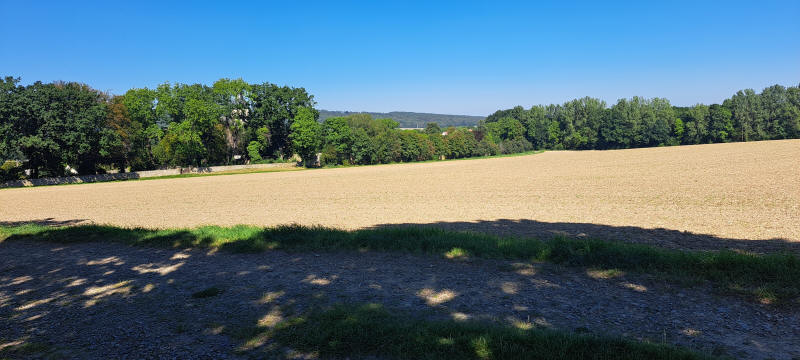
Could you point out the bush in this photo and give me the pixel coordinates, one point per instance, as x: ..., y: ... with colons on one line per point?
x: 329, y: 156
x: 254, y: 151
x: 515, y: 146
x: 486, y: 148
x: 11, y: 170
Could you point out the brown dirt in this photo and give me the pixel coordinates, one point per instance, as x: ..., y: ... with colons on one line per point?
x: 704, y: 196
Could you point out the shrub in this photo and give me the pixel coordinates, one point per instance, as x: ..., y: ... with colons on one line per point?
x: 11, y: 170
x: 515, y: 146
x: 486, y: 148
x: 254, y: 151
x: 329, y: 156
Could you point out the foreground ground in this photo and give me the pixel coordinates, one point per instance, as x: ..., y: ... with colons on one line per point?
x: 100, y: 300
x: 705, y: 196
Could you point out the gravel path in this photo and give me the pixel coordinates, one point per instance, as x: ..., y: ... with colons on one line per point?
x: 115, y: 301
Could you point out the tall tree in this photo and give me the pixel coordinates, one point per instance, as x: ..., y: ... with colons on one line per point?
x: 306, y: 135
x: 234, y: 98
x: 276, y: 107
x: 720, y: 123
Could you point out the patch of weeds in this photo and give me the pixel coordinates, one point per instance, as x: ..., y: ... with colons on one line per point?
x: 456, y: 253
x: 605, y: 273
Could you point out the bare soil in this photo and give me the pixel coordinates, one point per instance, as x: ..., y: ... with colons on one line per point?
x: 740, y: 195
x: 97, y: 300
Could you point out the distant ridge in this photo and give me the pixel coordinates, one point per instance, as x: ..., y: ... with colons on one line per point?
x: 411, y: 119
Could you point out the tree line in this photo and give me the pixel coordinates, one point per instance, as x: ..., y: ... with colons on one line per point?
x: 55, y: 129
x: 588, y: 123
x: 411, y: 119
x: 59, y: 128
x: 360, y: 139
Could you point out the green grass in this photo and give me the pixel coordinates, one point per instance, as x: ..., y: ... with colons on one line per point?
x: 371, y: 330
x: 772, y: 278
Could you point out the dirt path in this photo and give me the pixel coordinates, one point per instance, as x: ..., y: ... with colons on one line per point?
x: 109, y: 301
x: 695, y: 197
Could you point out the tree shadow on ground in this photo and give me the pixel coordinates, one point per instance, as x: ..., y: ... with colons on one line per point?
x: 660, y: 237
x: 112, y: 299
x: 106, y: 300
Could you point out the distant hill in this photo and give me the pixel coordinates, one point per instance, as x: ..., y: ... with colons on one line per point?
x: 411, y: 119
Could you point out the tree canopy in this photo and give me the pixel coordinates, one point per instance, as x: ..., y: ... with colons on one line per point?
x: 55, y: 129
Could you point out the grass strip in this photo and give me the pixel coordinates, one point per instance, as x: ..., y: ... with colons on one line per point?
x: 771, y: 278
x: 370, y: 330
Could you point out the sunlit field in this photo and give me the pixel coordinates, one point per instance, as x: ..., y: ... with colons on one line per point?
x: 738, y: 195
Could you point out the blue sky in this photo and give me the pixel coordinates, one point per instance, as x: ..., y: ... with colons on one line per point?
x: 457, y: 57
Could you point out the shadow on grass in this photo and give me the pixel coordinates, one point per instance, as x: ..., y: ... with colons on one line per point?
x: 769, y: 278
x: 663, y: 238
x: 73, y: 297
x: 343, y: 331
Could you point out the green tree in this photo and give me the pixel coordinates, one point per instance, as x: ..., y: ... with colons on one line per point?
x: 720, y: 123
x: 276, y: 107
x: 433, y: 128
x: 678, y: 129
x: 306, y: 136
x: 338, y: 139
x: 182, y: 144
x: 234, y: 98
x: 505, y: 128
x: 363, y: 149
x: 13, y: 106
x: 697, y: 125
x: 460, y: 143
x: 747, y: 115
x: 64, y: 124
x: 254, y: 149
x: 145, y: 127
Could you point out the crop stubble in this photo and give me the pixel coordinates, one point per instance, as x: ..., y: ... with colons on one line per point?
x: 738, y: 191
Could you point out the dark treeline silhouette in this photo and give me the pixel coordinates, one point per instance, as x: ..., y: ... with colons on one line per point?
x: 62, y: 128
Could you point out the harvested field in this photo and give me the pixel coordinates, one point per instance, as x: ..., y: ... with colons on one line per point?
x: 740, y: 195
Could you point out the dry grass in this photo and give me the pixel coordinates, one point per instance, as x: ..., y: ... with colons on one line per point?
x: 747, y: 191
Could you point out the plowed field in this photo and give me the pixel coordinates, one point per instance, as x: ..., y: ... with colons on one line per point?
x: 703, y: 196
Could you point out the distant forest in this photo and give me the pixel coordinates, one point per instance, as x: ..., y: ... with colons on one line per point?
x: 411, y: 119
x: 63, y: 128
x: 589, y: 123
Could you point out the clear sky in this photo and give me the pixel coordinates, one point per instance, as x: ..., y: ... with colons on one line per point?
x: 459, y: 57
